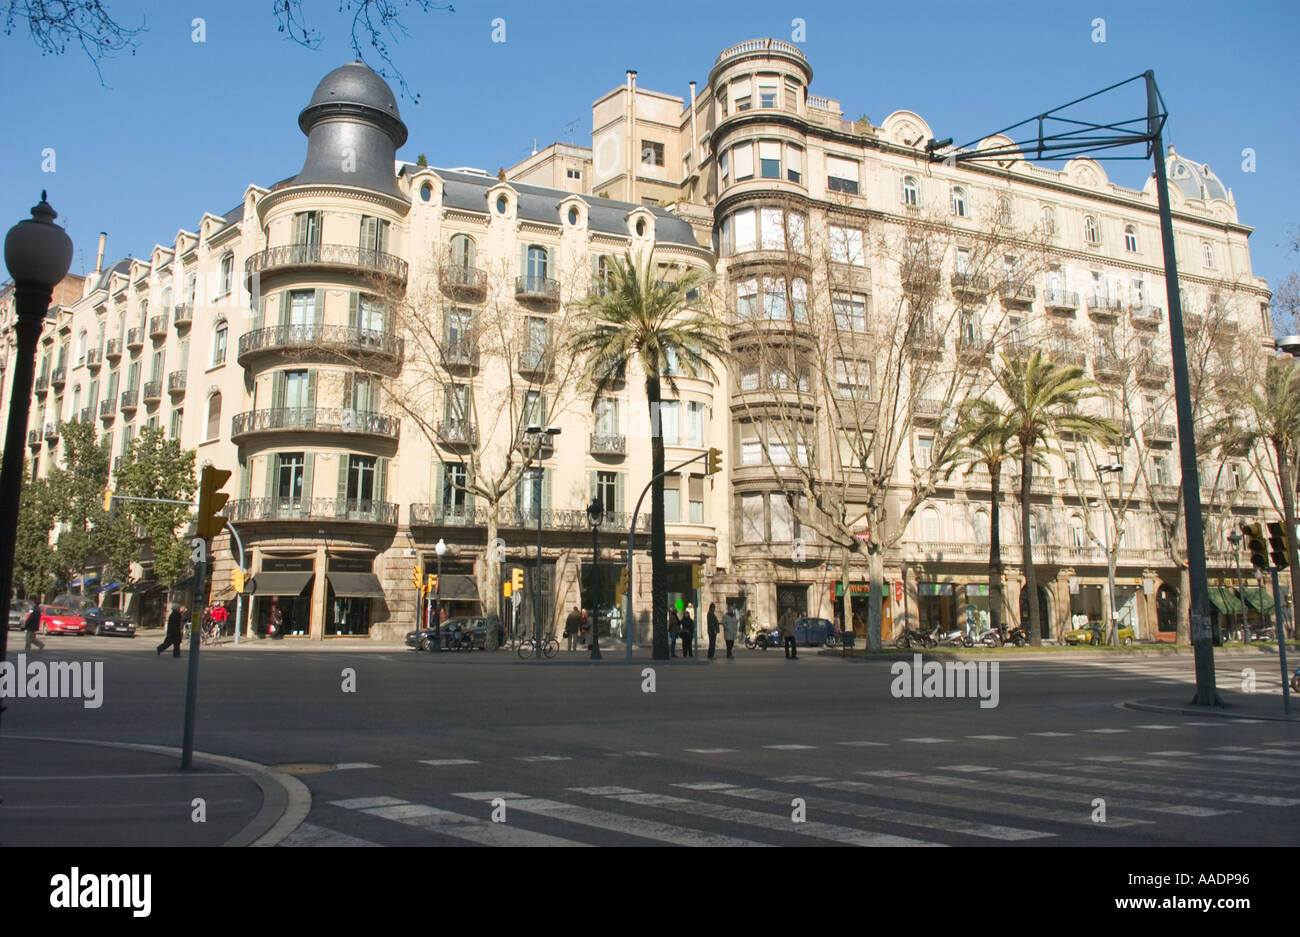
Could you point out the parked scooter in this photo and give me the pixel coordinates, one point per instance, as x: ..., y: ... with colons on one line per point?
x: 987, y: 636
x: 956, y: 638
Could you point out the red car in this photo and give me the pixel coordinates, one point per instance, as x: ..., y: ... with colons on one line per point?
x: 58, y: 620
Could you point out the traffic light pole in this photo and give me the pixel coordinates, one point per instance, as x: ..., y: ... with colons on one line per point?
x: 628, y: 621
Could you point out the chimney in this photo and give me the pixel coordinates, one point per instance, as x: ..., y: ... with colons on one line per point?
x: 695, y: 137
x: 633, y: 157
x: 99, y: 258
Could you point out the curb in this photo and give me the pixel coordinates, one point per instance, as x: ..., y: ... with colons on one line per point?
x: 285, y: 800
x: 1019, y: 654
x: 1172, y: 710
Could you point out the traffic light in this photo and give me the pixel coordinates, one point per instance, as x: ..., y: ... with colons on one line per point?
x: 697, y: 576
x: 517, y: 580
x: 211, y: 500
x: 108, y: 499
x: 507, y: 588
x: 1278, y: 544
x: 713, y: 464
x: 237, y: 579
x: 417, y: 577
x: 1255, y: 543
x: 431, y: 585
x: 620, y: 590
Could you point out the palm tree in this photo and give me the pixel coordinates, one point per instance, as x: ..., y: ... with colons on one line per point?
x: 1043, y: 401
x: 986, y: 435
x: 1273, y: 417
x: 636, y: 314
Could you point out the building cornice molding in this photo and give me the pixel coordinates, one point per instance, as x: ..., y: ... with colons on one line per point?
x: 271, y: 200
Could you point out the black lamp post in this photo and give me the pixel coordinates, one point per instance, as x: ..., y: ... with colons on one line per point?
x: 595, y: 514
x: 536, y: 431
x: 438, y: 550
x: 1235, y: 539
x: 38, y: 254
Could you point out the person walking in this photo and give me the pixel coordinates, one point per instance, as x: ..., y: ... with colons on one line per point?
x: 674, y: 631
x: 573, y: 625
x: 713, y: 628
x: 786, y: 628
x: 688, y: 632
x: 31, y: 624
x: 174, y: 624
x: 730, y: 627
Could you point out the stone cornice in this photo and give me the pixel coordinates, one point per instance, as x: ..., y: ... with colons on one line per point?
x: 399, y: 206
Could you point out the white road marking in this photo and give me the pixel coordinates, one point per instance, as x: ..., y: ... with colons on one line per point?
x: 789, y: 748
x: 354, y: 765
x: 543, y: 758
x: 927, y: 741
x: 442, y: 762
x: 861, y: 744
x: 479, y: 830
x: 360, y: 803
x: 1052, y: 735
x: 710, y: 751
x: 991, y: 738
x: 1126, y: 784
x: 308, y: 834
x: 1106, y: 731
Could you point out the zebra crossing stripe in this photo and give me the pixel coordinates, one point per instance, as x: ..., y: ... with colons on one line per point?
x: 1220, y: 774
x: 767, y: 821
x: 1052, y: 735
x: 543, y: 758
x: 308, y: 834
x: 616, y: 823
x: 354, y: 765
x: 441, y: 762
x: 861, y: 744
x: 888, y: 815
x: 991, y: 738
x: 360, y: 803
x: 1140, y: 787
x: 471, y: 829
x: 1084, y: 815
x: 789, y: 748
x: 709, y: 751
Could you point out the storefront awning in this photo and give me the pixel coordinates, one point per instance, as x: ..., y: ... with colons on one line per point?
x: 356, y: 585
x: 1258, y: 599
x: 1225, y: 600
x: 458, y: 587
x: 277, y: 583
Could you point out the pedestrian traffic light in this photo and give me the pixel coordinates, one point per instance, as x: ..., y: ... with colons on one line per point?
x: 713, y: 464
x: 1278, y: 545
x: 211, y: 500
x: 697, y: 576
x: 237, y: 579
x: 1255, y: 543
x: 431, y: 584
x: 417, y: 577
x: 517, y: 579
x: 108, y: 499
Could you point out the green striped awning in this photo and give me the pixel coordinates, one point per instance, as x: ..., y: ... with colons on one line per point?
x: 1259, y: 599
x: 1225, y: 600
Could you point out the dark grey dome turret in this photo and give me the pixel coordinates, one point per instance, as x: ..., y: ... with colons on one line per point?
x: 353, y: 131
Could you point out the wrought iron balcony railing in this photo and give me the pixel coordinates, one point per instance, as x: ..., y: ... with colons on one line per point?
x: 460, y: 355
x: 135, y: 337
x: 315, y: 510
x: 302, y: 419
x: 1020, y: 294
x: 536, y: 361
x: 94, y: 358
x: 113, y: 349
x: 58, y: 377
x: 176, y: 382
x: 86, y: 414
x: 128, y: 399
x: 152, y: 391
x: 537, y: 288
x: 1061, y: 300
x: 971, y: 284
x: 457, y: 433
x: 608, y: 444
x: 182, y: 315
x: 338, y: 338
x: 456, y: 280
x: 42, y: 385
x: 1148, y: 317
x: 158, y: 327
x: 107, y: 410
x: 34, y: 438
x: 326, y: 255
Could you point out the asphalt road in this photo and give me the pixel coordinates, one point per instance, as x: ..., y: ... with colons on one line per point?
x: 401, y: 747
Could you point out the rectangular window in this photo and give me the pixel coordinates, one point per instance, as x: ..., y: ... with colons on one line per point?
x: 846, y: 246
x: 306, y: 230
x: 361, y: 478
x: 741, y: 94
x: 774, y: 308
x: 672, y: 499
x: 456, y: 403
x: 796, y: 224
x: 289, y: 476
x: 842, y: 175
x: 607, y: 416
x: 772, y: 229
x: 782, y: 518
x: 724, y: 168
x: 746, y: 298
x: 751, y: 452
x: 695, y: 424
x: 374, y: 234
x: 852, y: 379
x: 924, y: 451
x: 696, y: 499
x: 670, y: 421
x: 453, y: 485
x: 652, y: 153
x: 794, y: 163
x: 850, y: 311
x: 742, y: 158
x: 746, y: 230
x: 769, y: 159
x: 177, y: 417
x: 767, y: 88
x: 963, y: 260
x: 607, y: 491
x: 752, y: 528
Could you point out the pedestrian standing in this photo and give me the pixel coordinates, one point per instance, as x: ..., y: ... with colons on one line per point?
x: 572, y: 625
x: 688, y: 633
x: 30, y: 625
x: 713, y: 624
x: 174, y: 624
x: 786, y: 628
x: 674, y: 631
x: 730, y: 626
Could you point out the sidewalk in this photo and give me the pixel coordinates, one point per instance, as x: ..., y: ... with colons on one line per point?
x: 1236, y: 705
x: 64, y: 792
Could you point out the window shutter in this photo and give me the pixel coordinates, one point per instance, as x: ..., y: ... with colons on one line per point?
x: 354, y: 310
x: 285, y: 305
x: 261, y: 312
x: 245, y: 481
x: 270, y: 476
x: 591, y: 483
x: 546, y: 488
x: 619, y: 506
x: 299, y: 233
x: 347, y: 390
x: 440, y: 493
x: 318, y: 311
x: 311, y: 389
x: 381, y: 479
x: 277, y: 390
x: 343, y: 483
x: 309, y: 465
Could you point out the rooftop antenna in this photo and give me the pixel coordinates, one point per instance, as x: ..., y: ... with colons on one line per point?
x: 534, y: 146
x: 571, y: 126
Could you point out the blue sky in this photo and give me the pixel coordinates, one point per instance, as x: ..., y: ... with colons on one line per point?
x: 182, y: 127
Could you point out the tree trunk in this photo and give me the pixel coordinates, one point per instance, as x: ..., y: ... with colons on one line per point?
x: 1288, y: 520
x: 876, y: 561
x: 493, y: 604
x: 1184, y: 635
x: 995, y: 547
x: 847, y: 603
x: 1027, y: 549
x: 658, y: 537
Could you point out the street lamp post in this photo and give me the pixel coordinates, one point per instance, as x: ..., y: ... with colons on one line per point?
x: 1235, y: 539
x: 536, y: 431
x: 38, y: 254
x: 440, y: 548
x: 595, y: 514
x: 1113, y: 468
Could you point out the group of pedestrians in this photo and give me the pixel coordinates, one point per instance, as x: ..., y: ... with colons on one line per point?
x: 683, y: 628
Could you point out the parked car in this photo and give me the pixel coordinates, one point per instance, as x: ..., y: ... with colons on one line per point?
x: 457, y: 634
x: 18, y: 610
x: 55, y: 619
x: 811, y: 632
x: 1096, y: 632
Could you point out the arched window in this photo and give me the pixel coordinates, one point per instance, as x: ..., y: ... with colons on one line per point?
x: 911, y: 191
x: 191, y: 287
x: 1209, y: 254
x: 214, y: 417
x: 930, y: 525
x: 1077, y: 536
x: 959, y: 201
x: 75, y: 413
x: 81, y: 347
x: 1049, y: 220
x: 1130, y: 239
x: 227, y: 273
x: 219, y: 343
x: 982, y: 528
x: 166, y: 300
x: 1091, y: 233
x: 463, y: 251
x: 537, y: 262
x: 1004, y: 210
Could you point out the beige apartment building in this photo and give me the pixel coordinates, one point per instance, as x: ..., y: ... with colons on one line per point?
x: 365, y: 342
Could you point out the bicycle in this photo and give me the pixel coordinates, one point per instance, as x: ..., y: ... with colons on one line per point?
x: 528, y: 647
x: 210, y: 633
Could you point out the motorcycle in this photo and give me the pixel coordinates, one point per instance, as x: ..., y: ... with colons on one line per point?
x: 988, y: 637
x: 1016, y: 636
x: 1295, y: 681
x: 950, y: 638
x: 912, y: 638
